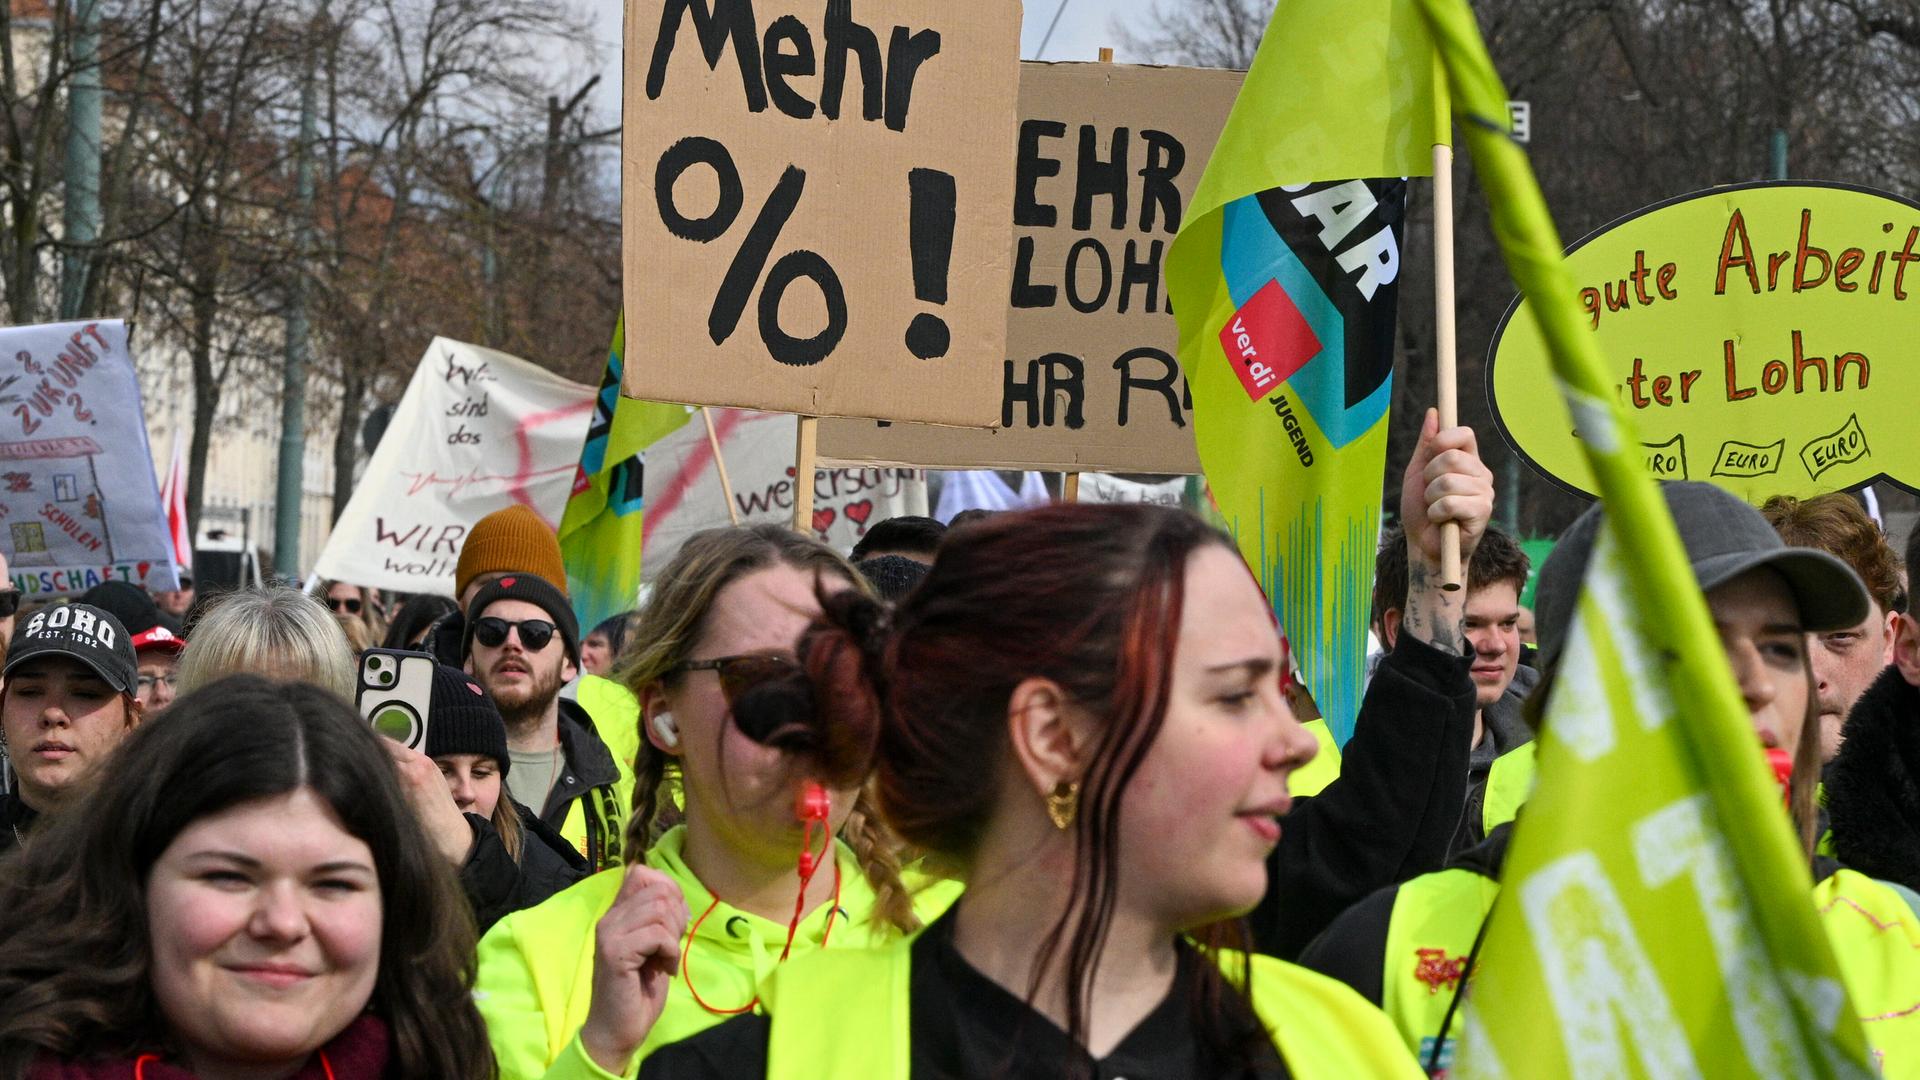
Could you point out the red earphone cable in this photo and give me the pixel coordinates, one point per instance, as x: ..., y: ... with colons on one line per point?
x: 813, y: 807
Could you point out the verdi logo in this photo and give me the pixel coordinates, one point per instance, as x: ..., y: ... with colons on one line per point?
x: 1268, y: 340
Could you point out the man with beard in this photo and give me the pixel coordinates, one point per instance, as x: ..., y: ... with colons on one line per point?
x: 523, y: 644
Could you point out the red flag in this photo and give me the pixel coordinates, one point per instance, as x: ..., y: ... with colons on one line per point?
x: 173, y: 496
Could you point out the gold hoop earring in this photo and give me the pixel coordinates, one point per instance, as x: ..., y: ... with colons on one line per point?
x: 1063, y: 804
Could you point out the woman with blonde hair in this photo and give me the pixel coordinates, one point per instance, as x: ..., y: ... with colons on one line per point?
x: 277, y: 632
x: 711, y: 902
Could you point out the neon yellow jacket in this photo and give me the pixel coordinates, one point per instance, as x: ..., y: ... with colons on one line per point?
x: 1509, y: 781
x: 845, y: 1014
x: 536, y: 966
x: 1874, y: 933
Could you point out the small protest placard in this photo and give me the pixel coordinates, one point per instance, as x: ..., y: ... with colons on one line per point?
x: 78, y: 499
x: 1108, y: 155
x: 476, y: 431
x: 684, y: 494
x: 1758, y: 335
x: 814, y: 204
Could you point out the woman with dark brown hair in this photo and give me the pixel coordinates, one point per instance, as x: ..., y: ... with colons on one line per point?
x: 1080, y: 709
x: 243, y: 893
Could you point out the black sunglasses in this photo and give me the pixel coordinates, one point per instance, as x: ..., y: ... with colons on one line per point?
x: 9, y: 602
x: 351, y: 605
x: 770, y: 696
x: 491, y: 631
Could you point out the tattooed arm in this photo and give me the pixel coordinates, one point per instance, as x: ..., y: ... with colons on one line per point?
x: 1445, y: 482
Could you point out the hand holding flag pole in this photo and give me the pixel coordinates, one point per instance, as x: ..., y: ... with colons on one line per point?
x: 1445, y: 340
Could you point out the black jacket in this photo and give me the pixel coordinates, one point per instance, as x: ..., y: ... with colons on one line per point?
x: 1873, y: 786
x: 590, y: 774
x: 444, y: 639
x: 1395, y: 808
x: 497, y: 886
x: 16, y: 820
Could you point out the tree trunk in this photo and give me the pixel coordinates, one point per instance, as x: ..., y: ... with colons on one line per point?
x: 206, y: 388
x: 346, y: 438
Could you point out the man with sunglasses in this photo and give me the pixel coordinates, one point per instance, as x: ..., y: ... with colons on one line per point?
x: 522, y: 643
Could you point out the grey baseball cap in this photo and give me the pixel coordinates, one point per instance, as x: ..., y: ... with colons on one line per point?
x: 1724, y: 537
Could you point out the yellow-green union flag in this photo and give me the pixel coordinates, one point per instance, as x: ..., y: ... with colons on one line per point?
x: 1654, y: 918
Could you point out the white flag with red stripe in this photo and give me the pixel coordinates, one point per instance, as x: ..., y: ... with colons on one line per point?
x: 173, y: 499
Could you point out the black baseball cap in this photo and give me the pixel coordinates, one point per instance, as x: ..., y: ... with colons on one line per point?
x: 1725, y: 537
x: 79, y: 632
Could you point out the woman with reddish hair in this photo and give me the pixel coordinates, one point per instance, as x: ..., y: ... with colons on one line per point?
x: 1081, y: 711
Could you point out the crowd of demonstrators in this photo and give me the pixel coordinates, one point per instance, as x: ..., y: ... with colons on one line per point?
x: 247, y: 894
x: 578, y: 984
x: 1036, y: 795
x: 1766, y: 598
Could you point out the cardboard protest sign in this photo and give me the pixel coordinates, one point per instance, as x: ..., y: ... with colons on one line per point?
x: 1758, y: 334
x: 77, y: 490
x: 476, y: 431
x: 814, y: 198
x: 1108, y: 157
x: 684, y: 495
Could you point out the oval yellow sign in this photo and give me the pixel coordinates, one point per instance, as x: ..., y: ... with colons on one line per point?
x: 1762, y: 337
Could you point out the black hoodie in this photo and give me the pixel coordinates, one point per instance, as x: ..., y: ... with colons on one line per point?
x: 1873, y: 786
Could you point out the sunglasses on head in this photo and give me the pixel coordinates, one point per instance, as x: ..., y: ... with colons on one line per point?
x: 350, y: 605
x: 491, y: 631
x: 769, y: 695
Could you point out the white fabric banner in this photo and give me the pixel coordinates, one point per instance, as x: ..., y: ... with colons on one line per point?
x: 684, y: 495
x: 1102, y: 488
x: 77, y: 488
x: 476, y: 431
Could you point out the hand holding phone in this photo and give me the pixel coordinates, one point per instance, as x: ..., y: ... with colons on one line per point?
x: 395, y: 692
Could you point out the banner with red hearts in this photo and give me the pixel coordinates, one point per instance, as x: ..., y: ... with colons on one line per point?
x: 684, y: 494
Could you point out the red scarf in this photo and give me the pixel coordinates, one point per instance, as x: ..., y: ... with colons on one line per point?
x: 360, y: 1052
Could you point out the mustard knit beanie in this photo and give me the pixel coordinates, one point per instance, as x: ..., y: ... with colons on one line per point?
x: 515, y: 540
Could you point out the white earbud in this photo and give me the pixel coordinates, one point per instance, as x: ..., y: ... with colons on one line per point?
x: 667, y: 731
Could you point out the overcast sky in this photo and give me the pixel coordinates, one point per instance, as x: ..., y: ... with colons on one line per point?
x: 1085, y: 25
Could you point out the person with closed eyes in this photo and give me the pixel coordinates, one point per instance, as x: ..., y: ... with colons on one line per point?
x: 67, y: 702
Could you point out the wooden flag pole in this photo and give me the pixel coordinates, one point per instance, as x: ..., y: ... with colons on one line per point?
x: 803, y: 457
x: 1444, y: 338
x: 720, y: 462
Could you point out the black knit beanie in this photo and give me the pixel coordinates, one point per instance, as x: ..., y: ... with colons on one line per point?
x: 461, y: 719
x: 535, y: 590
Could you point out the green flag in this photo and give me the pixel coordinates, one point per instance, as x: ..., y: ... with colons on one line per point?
x: 601, y: 529
x: 1654, y: 917
x: 1284, y: 281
